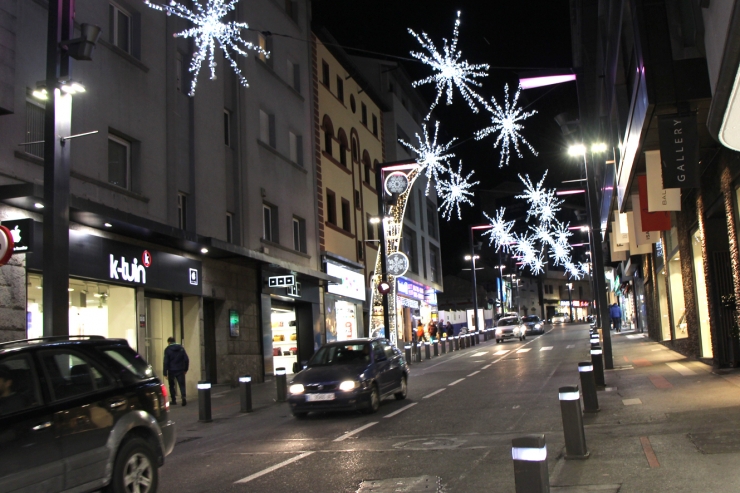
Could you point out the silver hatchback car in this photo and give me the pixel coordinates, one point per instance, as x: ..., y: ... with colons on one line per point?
x: 510, y: 328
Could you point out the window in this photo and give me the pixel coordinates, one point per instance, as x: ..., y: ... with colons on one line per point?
x: 360, y: 250
x: 182, y: 210
x: 375, y: 125
x: 328, y: 134
x: 267, y: 128
x: 119, y: 162
x: 270, y: 223
x: 408, y: 246
x: 367, y: 168
x: 432, y: 219
x: 294, y: 75
x: 342, y: 147
x: 69, y: 375
x: 24, y: 387
x: 340, y: 88
x: 423, y: 257
x: 355, y: 150
x: 331, y: 207
x: 291, y: 9
x: 364, y: 114
x: 227, y: 128
x: 358, y: 199
x: 434, y: 264
x: 119, y: 27
x: 34, y: 129
x: 325, y: 74
x: 299, y: 234
x: 266, y: 44
x: 370, y: 229
x: 296, y: 148
x: 346, y: 216
x: 229, y: 227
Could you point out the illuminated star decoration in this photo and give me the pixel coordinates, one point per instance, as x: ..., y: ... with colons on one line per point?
x: 500, y: 232
x: 450, y: 71
x: 209, y: 28
x: 431, y: 157
x: 506, y: 122
x: 454, y: 191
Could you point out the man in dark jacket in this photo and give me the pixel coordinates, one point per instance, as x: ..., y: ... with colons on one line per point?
x: 176, y: 364
x: 616, y: 315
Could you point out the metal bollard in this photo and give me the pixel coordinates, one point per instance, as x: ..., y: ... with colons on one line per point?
x: 474, y: 339
x: 597, y: 361
x: 436, y: 347
x: 281, y: 382
x: 575, y: 437
x: 204, y: 402
x: 245, y: 393
x: 457, y: 343
x: 467, y: 341
x: 418, y: 352
x: 428, y: 350
x: 443, y: 345
x: 530, y: 464
x: 407, y: 350
x: 451, y: 343
x: 588, y: 384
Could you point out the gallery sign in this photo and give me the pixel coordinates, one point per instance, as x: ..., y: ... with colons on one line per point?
x: 679, y: 150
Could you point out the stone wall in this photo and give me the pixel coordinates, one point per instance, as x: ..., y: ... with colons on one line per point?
x: 13, y: 299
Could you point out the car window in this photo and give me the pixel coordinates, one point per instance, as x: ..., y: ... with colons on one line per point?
x: 19, y: 387
x: 531, y: 319
x: 507, y: 321
x: 388, y: 349
x: 341, y: 354
x: 130, y: 360
x: 70, y: 375
x: 378, y: 350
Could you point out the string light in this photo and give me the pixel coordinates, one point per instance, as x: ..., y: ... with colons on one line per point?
x: 454, y: 191
x: 432, y: 157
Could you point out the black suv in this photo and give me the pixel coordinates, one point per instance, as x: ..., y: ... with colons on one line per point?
x: 80, y: 414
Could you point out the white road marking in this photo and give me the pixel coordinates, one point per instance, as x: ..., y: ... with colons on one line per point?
x: 570, y: 346
x: 400, y: 410
x: 474, y: 373
x: 524, y: 350
x: 499, y: 353
x: 274, y: 468
x: 356, y: 431
x: 631, y: 402
x: 546, y: 348
x: 681, y: 369
x: 486, y: 367
x: 478, y: 354
x: 433, y: 393
x: 455, y: 382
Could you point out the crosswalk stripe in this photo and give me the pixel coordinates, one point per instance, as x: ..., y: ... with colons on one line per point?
x: 681, y: 369
x: 524, y: 350
x: 499, y: 353
x: 478, y: 354
x: 546, y: 348
x: 570, y: 346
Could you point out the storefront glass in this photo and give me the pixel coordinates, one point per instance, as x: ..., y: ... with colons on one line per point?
x: 284, y: 338
x: 665, y: 322
x: 678, y: 307
x: 163, y: 321
x: 701, y: 296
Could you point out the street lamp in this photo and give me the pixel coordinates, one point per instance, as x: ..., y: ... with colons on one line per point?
x: 473, y: 256
x: 570, y: 299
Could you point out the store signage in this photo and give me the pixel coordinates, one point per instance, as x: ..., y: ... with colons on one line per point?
x: 430, y: 296
x: 22, y: 232
x: 642, y: 237
x: 617, y: 255
x: 353, y: 283
x: 408, y: 303
x: 294, y: 290
x: 410, y: 288
x: 280, y: 281
x: 636, y: 249
x: 651, y: 221
x: 233, y: 323
x: 679, y: 150
x: 659, y: 198
x: 576, y: 303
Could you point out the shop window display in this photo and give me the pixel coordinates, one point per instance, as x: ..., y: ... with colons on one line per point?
x: 678, y: 307
x: 284, y: 338
x: 701, y: 295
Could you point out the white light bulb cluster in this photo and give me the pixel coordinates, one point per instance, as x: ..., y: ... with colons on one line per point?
x: 454, y: 191
x: 209, y: 29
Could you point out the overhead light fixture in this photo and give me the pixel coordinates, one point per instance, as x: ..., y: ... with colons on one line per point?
x: 38, y: 205
x: 577, y: 150
x: 548, y: 80
x: 204, y: 250
x: 374, y: 220
x: 41, y: 94
x: 599, y: 147
x: 108, y: 225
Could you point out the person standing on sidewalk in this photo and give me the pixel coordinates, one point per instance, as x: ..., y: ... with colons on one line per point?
x: 616, y: 315
x: 176, y: 364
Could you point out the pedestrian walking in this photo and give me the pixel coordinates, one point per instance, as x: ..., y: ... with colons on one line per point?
x: 432, y: 329
x: 449, y: 329
x: 616, y: 315
x: 176, y: 364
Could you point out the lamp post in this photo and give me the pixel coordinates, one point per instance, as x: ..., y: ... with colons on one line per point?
x: 570, y: 299
x: 473, y: 258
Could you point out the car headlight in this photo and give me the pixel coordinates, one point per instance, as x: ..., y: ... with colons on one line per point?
x: 296, y: 388
x: 348, y: 385
x: 498, y: 332
x: 537, y: 326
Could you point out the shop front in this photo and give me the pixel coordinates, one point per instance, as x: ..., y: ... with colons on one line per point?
x: 343, y: 303
x: 416, y: 303
x: 580, y: 309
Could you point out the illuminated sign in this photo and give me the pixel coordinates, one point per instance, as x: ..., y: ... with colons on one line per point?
x: 353, y: 283
x: 412, y: 289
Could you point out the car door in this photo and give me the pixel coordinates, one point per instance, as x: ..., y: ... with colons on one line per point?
x: 395, y: 371
x: 382, y: 367
x: 30, y: 454
x: 85, y: 402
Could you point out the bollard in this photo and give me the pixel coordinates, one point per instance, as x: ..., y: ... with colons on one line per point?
x: 588, y: 384
x: 427, y: 350
x: 457, y: 343
x: 204, y: 402
x: 245, y: 393
x: 467, y: 341
x: 474, y: 339
x: 570, y: 408
x: 598, y: 362
x: 281, y: 382
x: 486, y: 335
x: 443, y: 345
x: 407, y: 350
x: 530, y: 464
x: 436, y: 347
x: 418, y: 352
x: 450, y: 344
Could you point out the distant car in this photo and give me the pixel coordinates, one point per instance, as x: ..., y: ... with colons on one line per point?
x: 510, y: 328
x: 349, y: 375
x: 533, y: 325
x: 560, y: 318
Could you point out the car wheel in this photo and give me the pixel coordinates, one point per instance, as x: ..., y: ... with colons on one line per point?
x: 402, y: 394
x: 374, y: 400
x: 135, y: 468
x: 299, y: 414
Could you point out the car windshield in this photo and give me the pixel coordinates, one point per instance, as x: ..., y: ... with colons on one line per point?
x: 506, y: 321
x: 559, y: 315
x: 532, y: 319
x: 341, y: 354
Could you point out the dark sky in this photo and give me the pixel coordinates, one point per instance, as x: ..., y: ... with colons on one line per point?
x: 515, y: 38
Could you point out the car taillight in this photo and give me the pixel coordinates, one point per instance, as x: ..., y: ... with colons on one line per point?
x: 166, y: 397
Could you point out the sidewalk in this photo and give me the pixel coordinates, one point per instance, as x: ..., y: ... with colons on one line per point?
x: 666, y: 424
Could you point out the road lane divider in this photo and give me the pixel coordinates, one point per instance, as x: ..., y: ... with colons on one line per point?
x: 273, y: 468
x: 474, y: 373
x: 524, y: 350
x: 487, y: 366
x: 355, y: 431
x: 433, y: 393
x: 398, y: 411
x: 546, y: 348
x: 455, y: 382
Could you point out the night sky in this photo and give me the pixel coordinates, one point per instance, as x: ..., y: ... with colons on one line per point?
x: 520, y: 38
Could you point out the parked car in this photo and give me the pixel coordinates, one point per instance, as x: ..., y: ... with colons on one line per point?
x: 510, y: 328
x: 80, y: 413
x: 349, y: 375
x: 533, y: 325
x: 560, y: 318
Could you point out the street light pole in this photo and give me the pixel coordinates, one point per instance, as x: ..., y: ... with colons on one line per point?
x: 383, y: 250
x: 475, y: 284
x: 570, y: 299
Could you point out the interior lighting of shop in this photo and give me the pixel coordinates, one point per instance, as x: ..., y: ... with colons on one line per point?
x: 204, y: 250
x: 108, y: 225
x: 38, y: 205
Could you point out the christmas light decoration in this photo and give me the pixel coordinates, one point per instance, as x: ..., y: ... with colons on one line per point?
x: 450, y: 70
x: 432, y: 157
x: 500, y: 232
x: 506, y: 122
x: 209, y: 28
x: 454, y: 191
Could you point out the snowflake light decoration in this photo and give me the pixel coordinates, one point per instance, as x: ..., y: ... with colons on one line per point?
x: 500, y: 232
x: 209, y: 28
x: 432, y: 157
x: 454, y: 191
x: 506, y: 122
x: 450, y: 71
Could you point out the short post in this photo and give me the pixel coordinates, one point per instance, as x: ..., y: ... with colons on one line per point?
x: 245, y: 393
x: 204, y: 402
x: 474, y: 339
x: 450, y: 344
x: 597, y: 360
x: 467, y: 341
x: 457, y: 343
x: 407, y: 350
x: 530, y: 464
x: 428, y: 350
x: 281, y: 382
x: 436, y: 347
x: 588, y: 384
x: 443, y: 345
x: 486, y: 333
x: 575, y: 437
x: 418, y: 352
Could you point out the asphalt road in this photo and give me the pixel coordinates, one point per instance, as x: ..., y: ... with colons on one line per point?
x: 453, y: 431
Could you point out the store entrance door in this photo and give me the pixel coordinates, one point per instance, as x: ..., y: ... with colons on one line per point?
x: 164, y: 318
